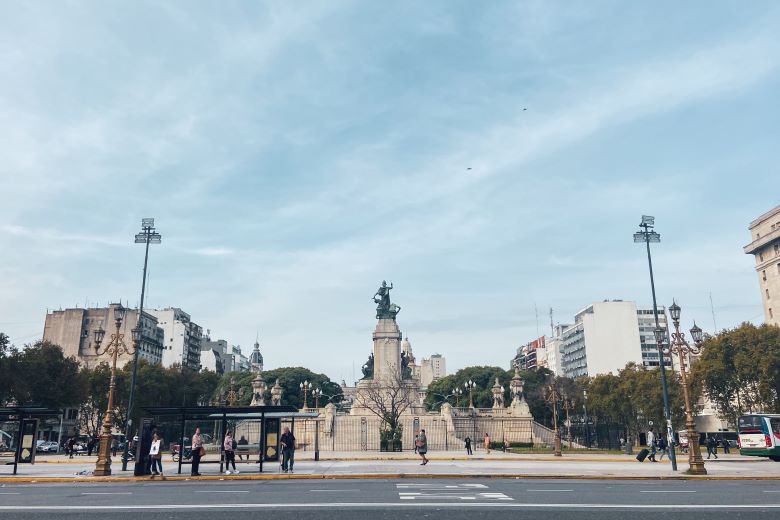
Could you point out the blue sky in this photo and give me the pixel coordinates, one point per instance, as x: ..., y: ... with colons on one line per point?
x: 486, y: 157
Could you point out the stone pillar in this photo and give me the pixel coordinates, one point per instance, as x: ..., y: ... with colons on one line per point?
x: 387, y: 350
x: 258, y: 389
x: 498, y: 395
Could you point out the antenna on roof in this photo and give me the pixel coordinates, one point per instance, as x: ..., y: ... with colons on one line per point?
x: 712, y: 308
x: 552, y: 327
x: 536, y: 312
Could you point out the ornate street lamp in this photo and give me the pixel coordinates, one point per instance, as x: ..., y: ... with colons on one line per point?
x: 682, y: 348
x: 553, y: 397
x: 470, y: 385
x: 587, y: 423
x: 317, y: 393
x: 457, y: 392
x: 305, y: 386
x: 115, y: 348
x: 647, y: 235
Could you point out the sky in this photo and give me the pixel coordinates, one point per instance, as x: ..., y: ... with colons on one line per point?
x: 490, y: 159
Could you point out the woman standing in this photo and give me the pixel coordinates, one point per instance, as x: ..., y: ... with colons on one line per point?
x: 155, y: 454
x: 422, y: 446
x: 197, y: 452
x: 230, y: 454
x: 487, y: 443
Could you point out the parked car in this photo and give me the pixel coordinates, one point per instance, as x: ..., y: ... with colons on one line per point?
x: 46, y: 446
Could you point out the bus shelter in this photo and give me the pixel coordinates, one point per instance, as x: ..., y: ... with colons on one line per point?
x: 259, y: 425
x: 23, y: 423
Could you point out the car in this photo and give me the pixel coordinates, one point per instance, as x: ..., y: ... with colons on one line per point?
x: 46, y: 446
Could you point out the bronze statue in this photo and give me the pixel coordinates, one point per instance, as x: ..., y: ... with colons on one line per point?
x: 385, y: 309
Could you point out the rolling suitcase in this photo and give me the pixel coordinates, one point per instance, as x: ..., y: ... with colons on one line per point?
x: 643, y: 455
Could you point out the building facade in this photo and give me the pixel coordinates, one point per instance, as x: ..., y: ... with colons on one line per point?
x: 607, y: 335
x: 73, y: 330
x: 432, y: 368
x: 531, y: 355
x: 182, y: 338
x: 765, y: 247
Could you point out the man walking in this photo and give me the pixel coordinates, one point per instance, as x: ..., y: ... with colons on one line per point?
x: 663, y: 445
x: 468, y: 446
x: 651, y: 445
x: 712, y: 447
x: 288, y: 450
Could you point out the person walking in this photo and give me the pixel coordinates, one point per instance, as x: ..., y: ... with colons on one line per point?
x: 114, y: 446
x: 487, y: 443
x: 651, y: 445
x: 155, y: 455
x: 230, y: 454
x: 422, y: 446
x: 468, y: 446
x: 197, y: 452
x: 663, y: 446
x: 724, y: 443
x: 71, y: 447
x: 288, y: 450
x: 712, y: 447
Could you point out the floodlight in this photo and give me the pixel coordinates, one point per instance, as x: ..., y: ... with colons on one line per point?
x: 648, y: 221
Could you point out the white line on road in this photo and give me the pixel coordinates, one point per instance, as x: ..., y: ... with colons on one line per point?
x: 331, y: 490
x: 222, y: 491
x: 385, y: 505
x: 666, y: 491
x: 1, y: 493
x: 771, y: 491
x: 547, y: 490
x: 122, y: 493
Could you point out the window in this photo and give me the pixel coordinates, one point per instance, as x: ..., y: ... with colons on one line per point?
x: 763, y: 275
x: 760, y: 257
x: 777, y: 249
x: 767, y: 294
x: 771, y: 316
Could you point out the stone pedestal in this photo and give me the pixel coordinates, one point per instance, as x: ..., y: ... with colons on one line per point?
x: 387, y: 350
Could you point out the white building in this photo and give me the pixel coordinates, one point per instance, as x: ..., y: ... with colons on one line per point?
x: 432, y: 368
x: 765, y: 247
x: 182, y: 340
x: 606, y: 336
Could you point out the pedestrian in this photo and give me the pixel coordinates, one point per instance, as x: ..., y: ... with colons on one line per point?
x: 155, y: 455
x: 90, y: 446
x: 468, y: 446
x: 651, y: 445
x: 712, y: 447
x: 197, y: 452
x: 505, y: 446
x: 230, y: 454
x: 288, y: 450
x: 415, y: 441
x: 71, y: 447
x: 422, y: 446
x: 724, y: 443
x: 663, y: 446
x: 243, y: 442
x: 487, y: 443
x: 114, y: 446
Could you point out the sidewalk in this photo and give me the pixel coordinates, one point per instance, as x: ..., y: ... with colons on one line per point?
x: 407, y: 465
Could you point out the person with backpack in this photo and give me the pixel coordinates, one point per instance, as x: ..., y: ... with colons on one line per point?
x: 230, y: 452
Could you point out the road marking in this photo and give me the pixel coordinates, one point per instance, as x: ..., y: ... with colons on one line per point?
x: 331, y: 490
x: 771, y: 491
x: 1, y: 493
x: 385, y: 505
x: 448, y: 492
x: 223, y: 491
x: 547, y: 490
x: 666, y: 491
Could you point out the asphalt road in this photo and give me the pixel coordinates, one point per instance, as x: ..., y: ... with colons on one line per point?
x: 380, y: 499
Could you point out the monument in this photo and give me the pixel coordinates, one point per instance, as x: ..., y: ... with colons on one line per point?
x: 387, y: 336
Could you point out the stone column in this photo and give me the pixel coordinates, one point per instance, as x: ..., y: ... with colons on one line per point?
x: 387, y: 350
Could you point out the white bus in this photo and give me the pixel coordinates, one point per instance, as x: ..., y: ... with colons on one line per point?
x: 759, y: 435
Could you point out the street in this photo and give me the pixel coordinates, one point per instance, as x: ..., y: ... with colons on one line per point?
x: 394, y: 498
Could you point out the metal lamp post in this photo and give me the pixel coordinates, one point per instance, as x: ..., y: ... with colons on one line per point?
x: 115, y: 348
x: 568, y: 405
x: 470, y: 385
x: 682, y: 348
x: 457, y: 392
x: 305, y: 387
x: 317, y: 393
x: 552, y: 397
x: 148, y: 235
x: 647, y: 235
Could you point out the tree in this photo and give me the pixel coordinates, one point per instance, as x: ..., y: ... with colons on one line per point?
x: 6, y: 373
x: 41, y: 374
x: 289, y: 378
x: 739, y: 369
x: 387, y: 399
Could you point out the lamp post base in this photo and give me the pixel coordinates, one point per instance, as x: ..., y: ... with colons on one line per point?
x: 103, y: 464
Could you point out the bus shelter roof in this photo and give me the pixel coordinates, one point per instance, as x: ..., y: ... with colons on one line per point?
x: 27, y: 411
x: 242, y: 412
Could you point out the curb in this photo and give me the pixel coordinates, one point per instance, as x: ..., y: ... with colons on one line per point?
x: 371, y: 476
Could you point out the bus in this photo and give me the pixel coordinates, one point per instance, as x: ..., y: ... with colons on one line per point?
x: 759, y: 435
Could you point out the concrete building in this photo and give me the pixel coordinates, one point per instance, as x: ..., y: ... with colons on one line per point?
x: 182, y: 341
x: 607, y: 335
x: 765, y: 233
x: 432, y: 368
x: 73, y: 330
x: 531, y: 355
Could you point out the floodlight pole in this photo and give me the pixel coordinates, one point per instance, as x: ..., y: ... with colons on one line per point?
x: 147, y: 235
x: 646, y: 235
